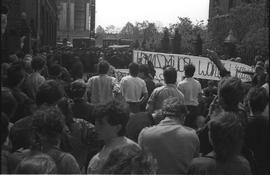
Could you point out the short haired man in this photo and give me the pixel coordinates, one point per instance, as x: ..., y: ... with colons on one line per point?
x: 100, y: 87
x: 168, y: 90
x: 35, y: 79
x: 133, y: 88
x: 170, y: 142
x: 110, y: 125
x: 257, y: 137
x: 191, y: 89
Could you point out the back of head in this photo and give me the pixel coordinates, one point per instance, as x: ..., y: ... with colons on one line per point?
x: 37, y: 164
x: 133, y: 69
x: 49, y: 123
x: 172, y: 107
x: 257, y: 99
x: 55, y: 70
x: 226, y: 135
x: 77, y: 70
x: 170, y: 75
x: 103, y: 67
x: 15, y: 75
x: 37, y: 63
x: 77, y: 89
x: 189, y: 70
x: 49, y: 93
x: 114, y: 113
x: 143, y: 68
x: 230, y: 93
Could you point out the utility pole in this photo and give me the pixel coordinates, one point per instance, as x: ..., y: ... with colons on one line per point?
x: 68, y: 20
x: 38, y: 23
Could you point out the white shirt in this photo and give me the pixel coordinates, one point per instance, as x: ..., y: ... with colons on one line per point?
x: 101, y: 88
x: 132, y: 88
x: 191, y: 89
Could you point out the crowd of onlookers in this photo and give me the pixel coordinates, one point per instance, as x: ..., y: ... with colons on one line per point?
x: 56, y: 120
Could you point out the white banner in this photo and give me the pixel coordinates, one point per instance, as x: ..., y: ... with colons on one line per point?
x: 205, y: 68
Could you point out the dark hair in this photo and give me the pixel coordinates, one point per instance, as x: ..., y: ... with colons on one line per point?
x: 258, y: 99
x: 8, y: 102
x: 170, y: 75
x: 15, y: 74
x: 4, y: 128
x: 129, y: 160
x: 38, y: 63
x: 77, y: 89
x: 49, y: 122
x: 103, y: 67
x: 143, y: 68
x: 114, y: 113
x: 227, y: 134
x: 133, y: 69
x: 55, y: 70
x: 77, y: 70
x: 37, y: 164
x: 189, y: 70
x: 230, y: 93
x: 49, y: 92
x: 173, y: 107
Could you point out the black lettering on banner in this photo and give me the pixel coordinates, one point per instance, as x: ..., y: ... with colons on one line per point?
x: 210, y: 69
x: 201, y: 71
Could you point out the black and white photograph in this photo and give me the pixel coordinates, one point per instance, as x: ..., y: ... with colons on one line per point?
x: 135, y: 87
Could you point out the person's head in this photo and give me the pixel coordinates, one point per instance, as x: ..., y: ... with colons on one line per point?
x: 143, y: 71
x: 8, y: 102
x: 257, y: 99
x: 15, y: 75
x: 49, y: 93
x: 133, y: 69
x: 38, y: 63
x: 55, y: 70
x: 189, y: 70
x: 103, y: 67
x: 27, y: 63
x: 77, y: 90
x: 48, y: 124
x: 129, y: 160
x: 4, y: 127
x: 226, y: 134
x: 259, y: 67
x: 4, y: 68
x: 230, y: 93
x: 170, y: 75
x: 77, y: 70
x: 172, y: 107
x: 110, y: 120
x: 38, y: 163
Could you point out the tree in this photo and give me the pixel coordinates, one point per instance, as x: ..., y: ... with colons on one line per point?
x: 127, y: 31
x: 165, y: 41
x: 111, y: 29
x: 176, y: 43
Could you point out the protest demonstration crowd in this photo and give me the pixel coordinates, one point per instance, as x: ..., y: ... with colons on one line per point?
x: 64, y: 111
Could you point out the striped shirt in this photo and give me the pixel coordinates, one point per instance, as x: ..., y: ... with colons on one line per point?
x: 161, y: 93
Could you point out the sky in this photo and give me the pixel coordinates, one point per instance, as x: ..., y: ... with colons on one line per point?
x: 162, y: 12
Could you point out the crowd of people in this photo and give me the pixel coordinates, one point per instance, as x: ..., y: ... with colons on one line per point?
x: 55, y: 120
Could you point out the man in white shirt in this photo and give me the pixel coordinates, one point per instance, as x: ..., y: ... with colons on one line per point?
x: 133, y: 88
x: 101, y: 87
x: 191, y: 89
